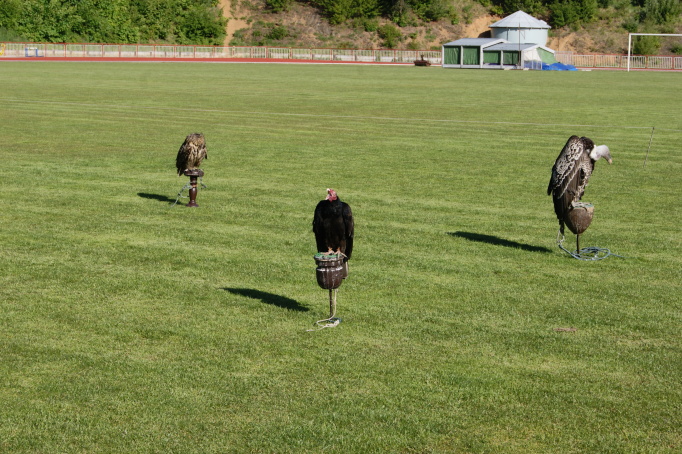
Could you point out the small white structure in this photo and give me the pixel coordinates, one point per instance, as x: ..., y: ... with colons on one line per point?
x: 491, y: 53
x: 521, y: 28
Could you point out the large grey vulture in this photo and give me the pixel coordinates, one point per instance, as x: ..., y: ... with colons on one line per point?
x: 571, y: 173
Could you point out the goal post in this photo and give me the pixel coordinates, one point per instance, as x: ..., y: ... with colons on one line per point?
x: 630, y: 35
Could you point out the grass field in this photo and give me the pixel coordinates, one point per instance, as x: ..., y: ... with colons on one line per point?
x: 130, y: 326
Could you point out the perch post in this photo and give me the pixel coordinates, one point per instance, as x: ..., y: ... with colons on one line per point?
x: 193, y: 174
x: 578, y: 219
x: 330, y: 272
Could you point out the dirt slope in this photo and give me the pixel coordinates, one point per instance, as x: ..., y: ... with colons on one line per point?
x: 235, y: 20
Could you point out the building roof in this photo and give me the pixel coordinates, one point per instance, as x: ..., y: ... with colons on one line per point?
x: 512, y: 46
x: 476, y: 42
x: 520, y: 20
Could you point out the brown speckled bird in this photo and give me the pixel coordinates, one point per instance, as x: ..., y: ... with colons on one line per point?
x: 191, y: 153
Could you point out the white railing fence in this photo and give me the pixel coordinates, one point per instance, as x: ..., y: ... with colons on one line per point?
x: 620, y: 61
x: 164, y: 51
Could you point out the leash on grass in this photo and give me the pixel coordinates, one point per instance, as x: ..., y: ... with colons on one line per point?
x: 591, y: 254
x: 186, y: 186
x: 330, y: 322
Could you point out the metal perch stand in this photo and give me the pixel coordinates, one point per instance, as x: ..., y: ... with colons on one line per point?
x: 193, y: 175
x: 578, y: 219
x: 330, y: 272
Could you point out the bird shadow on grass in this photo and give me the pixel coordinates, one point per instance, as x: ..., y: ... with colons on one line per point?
x: 159, y: 197
x: 497, y: 241
x: 268, y: 298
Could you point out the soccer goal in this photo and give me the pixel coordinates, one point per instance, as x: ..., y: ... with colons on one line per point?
x: 630, y: 35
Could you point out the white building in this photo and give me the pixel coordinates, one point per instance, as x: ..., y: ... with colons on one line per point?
x: 521, y: 28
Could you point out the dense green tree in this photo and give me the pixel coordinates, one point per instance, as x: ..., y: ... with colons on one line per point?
x: 661, y: 11
x: 118, y: 21
x: 10, y: 12
x: 572, y: 12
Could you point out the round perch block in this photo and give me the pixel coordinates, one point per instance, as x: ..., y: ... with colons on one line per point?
x: 579, y: 217
x: 193, y: 174
x: 330, y: 271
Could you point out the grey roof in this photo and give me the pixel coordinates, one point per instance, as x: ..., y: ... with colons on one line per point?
x: 520, y: 20
x: 511, y: 46
x: 474, y: 42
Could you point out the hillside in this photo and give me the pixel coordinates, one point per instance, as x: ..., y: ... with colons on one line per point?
x: 583, y: 26
x: 302, y: 25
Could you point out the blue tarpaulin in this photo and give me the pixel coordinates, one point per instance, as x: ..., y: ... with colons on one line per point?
x: 558, y: 67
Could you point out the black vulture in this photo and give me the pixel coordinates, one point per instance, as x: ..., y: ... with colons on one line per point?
x: 333, y: 226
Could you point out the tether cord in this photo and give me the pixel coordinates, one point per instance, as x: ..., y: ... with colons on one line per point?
x: 180, y: 196
x: 188, y: 185
x: 332, y: 321
x: 591, y: 253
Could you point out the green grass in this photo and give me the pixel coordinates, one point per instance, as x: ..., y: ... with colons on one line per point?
x: 128, y: 325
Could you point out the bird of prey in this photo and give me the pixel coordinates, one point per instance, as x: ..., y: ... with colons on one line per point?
x: 571, y: 173
x: 333, y: 226
x: 191, y: 153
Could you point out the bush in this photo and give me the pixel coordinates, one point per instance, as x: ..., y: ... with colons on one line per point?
x: 431, y: 10
x: 10, y: 35
x: 369, y: 24
x: 631, y: 26
x: 390, y: 34
x: 414, y: 45
x: 511, y: 6
x: 277, y: 33
x: 277, y: 6
x: 339, y: 11
x: 646, y: 45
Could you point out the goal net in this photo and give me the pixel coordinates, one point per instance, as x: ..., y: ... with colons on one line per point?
x: 652, y: 43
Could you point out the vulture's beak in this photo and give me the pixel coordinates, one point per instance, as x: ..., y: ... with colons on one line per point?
x: 607, y: 155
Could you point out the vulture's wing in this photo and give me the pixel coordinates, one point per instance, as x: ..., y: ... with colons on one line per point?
x: 349, y: 224
x: 318, y: 227
x: 586, y: 166
x: 566, y: 167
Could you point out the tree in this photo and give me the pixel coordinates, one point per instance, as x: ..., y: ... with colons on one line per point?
x: 573, y: 12
x: 661, y: 11
x: 114, y: 21
x: 512, y: 6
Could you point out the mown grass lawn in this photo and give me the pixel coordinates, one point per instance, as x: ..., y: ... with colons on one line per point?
x: 129, y: 325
